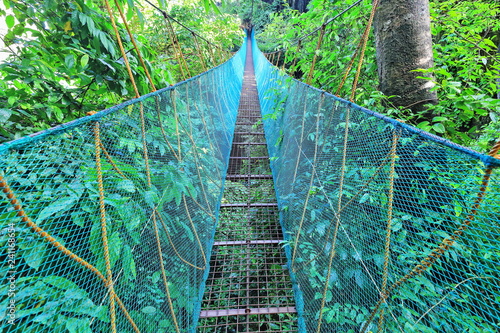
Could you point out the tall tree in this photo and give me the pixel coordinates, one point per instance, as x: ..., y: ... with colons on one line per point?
x: 404, y: 44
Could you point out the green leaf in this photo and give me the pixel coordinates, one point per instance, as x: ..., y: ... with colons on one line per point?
x: 365, y: 197
x: 55, y: 207
x: 12, y: 100
x: 5, y: 115
x: 149, y: 310
x: 126, y: 185
x: 60, y: 282
x: 115, y: 247
x: 69, y: 61
x: 129, y: 263
x: 76, y: 325
x: 10, y: 21
x: 438, y: 128
x: 33, y: 253
x: 84, y: 60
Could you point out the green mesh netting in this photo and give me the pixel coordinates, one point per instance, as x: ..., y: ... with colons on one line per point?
x: 334, y: 164
x: 188, y: 135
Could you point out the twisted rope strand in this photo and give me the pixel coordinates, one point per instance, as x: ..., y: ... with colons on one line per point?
x: 104, y: 233
x: 389, y: 222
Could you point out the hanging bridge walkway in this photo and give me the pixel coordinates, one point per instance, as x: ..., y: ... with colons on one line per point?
x: 242, y: 200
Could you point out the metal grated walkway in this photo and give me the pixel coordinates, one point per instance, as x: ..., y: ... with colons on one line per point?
x: 248, y: 288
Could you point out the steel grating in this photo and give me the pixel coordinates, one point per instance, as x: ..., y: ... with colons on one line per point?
x: 248, y: 288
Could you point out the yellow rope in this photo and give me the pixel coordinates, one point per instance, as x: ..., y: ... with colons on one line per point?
x: 196, y: 152
x: 302, y: 129
x: 150, y: 185
x: 389, y: 223
x: 445, y: 244
x: 160, y: 122
x: 214, y: 59
x: 176, y: 117
x: 172, y: 41
x: 122, y: 49
x: 132, y: 39
x: 294, y: 62
x: 202, y: 58
x: 315, y: 58
x: 365, y: 185
x: 337, y: 223
x: 51, y: 240
x: 104, y: 233
x: 179, y: 49
x: 164, y: 275
x: 272, y: 58
x: 284, y: 61
x: 304, y: 210
x: 173, y: 245
x: 364, y: 40
x: 117, y: 169
x: 348, y: 69
x: 194, y: 229
x: 110, y: 160
x: 146, y: 158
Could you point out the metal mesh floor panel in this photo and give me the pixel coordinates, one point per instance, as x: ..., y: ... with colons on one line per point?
x: 248, y: 288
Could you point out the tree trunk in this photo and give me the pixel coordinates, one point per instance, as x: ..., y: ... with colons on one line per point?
x: 404, y: 43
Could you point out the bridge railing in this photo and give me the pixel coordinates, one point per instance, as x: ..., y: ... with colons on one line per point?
x: 107, y: 222
x: 387, y: 228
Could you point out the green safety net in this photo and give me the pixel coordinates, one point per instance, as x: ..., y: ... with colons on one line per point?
x: 159, y: 230
x: 363, y: 200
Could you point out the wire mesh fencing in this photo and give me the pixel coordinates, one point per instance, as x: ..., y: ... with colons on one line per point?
x: 107, y: 222
x: 387, y: 228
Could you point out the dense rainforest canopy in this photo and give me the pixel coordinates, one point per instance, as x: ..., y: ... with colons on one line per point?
x: 63, y: 59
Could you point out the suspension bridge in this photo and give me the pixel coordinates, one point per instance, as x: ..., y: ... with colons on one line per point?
x: 242, y: 200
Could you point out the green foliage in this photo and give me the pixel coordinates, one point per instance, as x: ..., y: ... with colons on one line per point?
x: 467, y: 63
x: 65, y: 60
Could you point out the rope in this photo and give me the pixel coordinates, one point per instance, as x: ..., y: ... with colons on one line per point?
x: 364, y: 40
x: 122, y: 49
x: 61, y: 248
x: 177, y: 49
x: 365, y: 185
x: 445, y: 244
x: 172, y: 243
x: 132, y: 39
x: 157, y: 236
x: 174, y: 104
x: 348, y: 69
x: 146, y: 158
x: 322, y: 188
x: 104, y: 233
x: 389, y: 223
x: 194, y: 229
x: 294, y: 62
x: 334, y: 240
x: 166, y: 15
x: 313, y: 165
x: 298, y: 41
x: 117, y: 169
x: 320, y: 41
x: 160, y: 122
x: 204, y: 65
x: 110, y: 160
